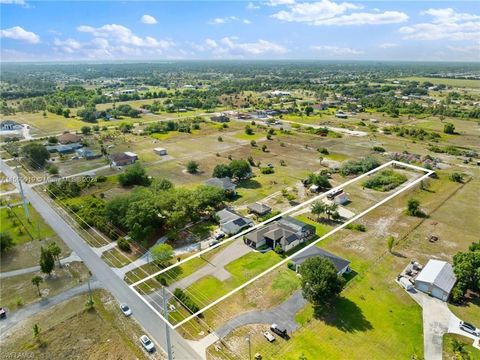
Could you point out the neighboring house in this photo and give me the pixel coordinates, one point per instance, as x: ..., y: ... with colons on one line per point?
x: 259, y: 209
x: 160, y: 151
x: 341, y: 199
x: 122, y: 159
x: 286, y: 232
x: 436, y: 279
x: 342, y: 265
x: 232, y: 223
x: 341, y: 115
x: 9, y: 125
x: 225, y: 184
x: 68, y: 138
x: 87, y: 153
x: 221, y: 118
x: 63, y: 149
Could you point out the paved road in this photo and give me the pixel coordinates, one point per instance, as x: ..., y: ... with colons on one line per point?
x: 7, y: 325
x: 73, y: 257
x: 149, y: 320
x: 283, y: 315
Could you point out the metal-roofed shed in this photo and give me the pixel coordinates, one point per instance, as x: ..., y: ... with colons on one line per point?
x: 436, y: 279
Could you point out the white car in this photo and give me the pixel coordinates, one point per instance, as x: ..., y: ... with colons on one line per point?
x: 125, y: 309
x: 268, y: 335
x: 147, y: 343
x: 469, y: 328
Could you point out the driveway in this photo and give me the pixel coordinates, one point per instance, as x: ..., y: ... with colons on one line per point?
x: 216, y: 266
x: 438, y: 320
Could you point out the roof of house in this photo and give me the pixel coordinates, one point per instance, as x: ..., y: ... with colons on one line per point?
x: 224, y: 183
x: 259, y: 208
x: 284, y: 231
x: 8, y: 122
x: 439, y: 273
x: 63, y: 148
x: 338, y: 262
x: 295, y: 224
x: 231, y: 222
x: 68, y: 138
x: 121, y: 156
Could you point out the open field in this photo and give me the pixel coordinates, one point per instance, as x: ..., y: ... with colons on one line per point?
x: 461, y: 83
x: 68, y: 331
x: 18, y: 291
x: 28, y: 237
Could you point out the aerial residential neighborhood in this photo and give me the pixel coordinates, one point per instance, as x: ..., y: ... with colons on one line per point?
x: 260, y: 180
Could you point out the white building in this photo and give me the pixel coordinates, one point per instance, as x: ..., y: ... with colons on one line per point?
x: 436, y: 279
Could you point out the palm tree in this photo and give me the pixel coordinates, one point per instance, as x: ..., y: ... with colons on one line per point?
x: 330, y: 209
x: 37, y: 280
x: 318, y: 208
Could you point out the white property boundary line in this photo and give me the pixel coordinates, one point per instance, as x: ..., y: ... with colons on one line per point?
x: 333, y: 231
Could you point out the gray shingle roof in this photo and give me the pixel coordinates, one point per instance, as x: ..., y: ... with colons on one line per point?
x: 222, y: 183
x: 338, y: 262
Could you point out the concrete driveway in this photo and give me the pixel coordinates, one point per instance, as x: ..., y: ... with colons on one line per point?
x: 438, y: 320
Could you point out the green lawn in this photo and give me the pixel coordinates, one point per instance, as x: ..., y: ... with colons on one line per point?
x: 254, y: 136
x: 448, y: 352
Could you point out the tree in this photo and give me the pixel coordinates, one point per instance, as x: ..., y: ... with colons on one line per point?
x: 162, y: 254
x: 319, y: 180
x: 318, y: 208
x: 331, y: 210
x: 134, y: 175
x: 308, y: 110
x: 222, y: 170
x: 52, y: 169
x: 192, y: 167
x: 6, y: 241
x: 466, y: 266
x: 86, y: 130
x: 264, y: 148
x: 248, y: 130
x: 320, y: 282
x: 47, y: 262
x: 37, y: 280
x: 390, y: 242
x: 456, y: 177
x: 240, y: 169
x: 36, y: 331
x: 449, y: 128
x: 55, y: 250
x: 413, y: 207
x: 36, y: 154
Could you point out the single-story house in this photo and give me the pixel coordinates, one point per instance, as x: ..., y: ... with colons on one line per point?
x: 232, y: 223
x: 221, y: 118
x: 286, y: 232
x: 9, y: 125
x: 436, y: 279
x: 122, y: 159
x: 224, y: 183
x: 68, y: 138
x: 342, y: 265
x: 259, y: 209
x: 160, y: 151
x: 87, y: 153
x: 63, y: 149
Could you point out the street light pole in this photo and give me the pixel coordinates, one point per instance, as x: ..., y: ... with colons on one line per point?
x: 249, y: 340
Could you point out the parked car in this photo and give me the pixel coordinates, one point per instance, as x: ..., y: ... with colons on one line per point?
x: 213, y: 242
x: 125, y: 309
x: 268, y: 335
x: 3, y: 313
x: 219, y: 236
x: 469, y: 328
x: 407, y: 285
x: 280, y: 331
x: 147, y: 343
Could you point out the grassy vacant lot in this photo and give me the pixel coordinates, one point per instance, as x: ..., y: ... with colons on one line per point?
x: 449, y: 82
x: 68, y: 331
x: 19, y: 291
x: 28, y: 237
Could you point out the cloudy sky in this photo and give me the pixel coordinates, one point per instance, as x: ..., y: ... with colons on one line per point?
x: 273, y: 29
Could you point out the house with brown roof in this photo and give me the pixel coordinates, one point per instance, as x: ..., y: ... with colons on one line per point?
x: 68, y: 138
x: 122, y: 159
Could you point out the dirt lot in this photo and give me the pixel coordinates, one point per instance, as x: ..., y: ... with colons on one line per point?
x: 68, y: 331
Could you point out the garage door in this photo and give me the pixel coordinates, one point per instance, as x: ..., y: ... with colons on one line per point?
x: 439, y: 294
x: 422, y: 286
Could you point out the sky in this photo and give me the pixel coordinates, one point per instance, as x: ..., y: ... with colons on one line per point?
x: 271, y: 29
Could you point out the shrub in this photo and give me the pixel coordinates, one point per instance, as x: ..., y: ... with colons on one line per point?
x: 185, y: 300
x: 323, y: 151
x: 378, y: 149
x: 358, y: 167
x: 267, y: 170
x: 291, y: 266
x: 356, y: 227
x: 456, y: 177
x: 123, y: 244
x: 385, y: 180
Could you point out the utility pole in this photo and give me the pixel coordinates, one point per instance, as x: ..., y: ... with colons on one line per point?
x: 167, y: 327
x: 89, y: 288
x: 24, y: 201
x: 249, y: 340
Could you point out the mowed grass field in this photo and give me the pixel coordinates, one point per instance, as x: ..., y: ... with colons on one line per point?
x: 461, y: 83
